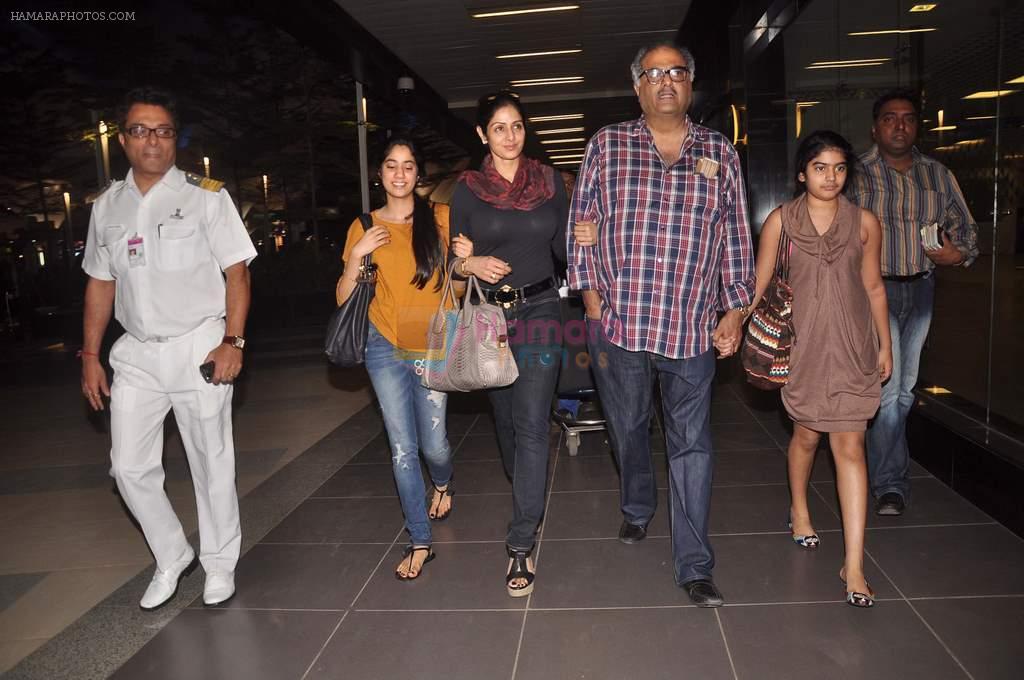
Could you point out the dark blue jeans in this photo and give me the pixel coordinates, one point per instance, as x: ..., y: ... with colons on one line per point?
x: 910, y: 316
x: 625, y: 381
x: 522, y: 411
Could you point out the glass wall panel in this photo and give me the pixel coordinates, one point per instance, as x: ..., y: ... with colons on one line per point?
x: 807, y: 65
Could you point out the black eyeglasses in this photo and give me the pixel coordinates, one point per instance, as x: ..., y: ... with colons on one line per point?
x: 143, y: 132
x: 677, y: 74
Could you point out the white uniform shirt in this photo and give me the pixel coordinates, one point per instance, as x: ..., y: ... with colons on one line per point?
x: 189, y: 235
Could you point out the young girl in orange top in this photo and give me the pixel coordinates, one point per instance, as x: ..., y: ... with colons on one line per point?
x: 408, y: 241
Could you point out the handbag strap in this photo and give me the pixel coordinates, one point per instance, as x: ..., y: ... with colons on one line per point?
x: 447, y: 292
x: 782, y: 255
x: 367, y: 221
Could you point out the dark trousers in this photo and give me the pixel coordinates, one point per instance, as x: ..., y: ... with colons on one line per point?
x: 625, y: 381
x: 522, y: 411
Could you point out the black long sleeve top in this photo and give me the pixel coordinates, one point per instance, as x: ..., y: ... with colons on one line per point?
x: 529, y: 240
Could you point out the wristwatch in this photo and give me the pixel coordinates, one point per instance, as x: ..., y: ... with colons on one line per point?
x: 236, y: 341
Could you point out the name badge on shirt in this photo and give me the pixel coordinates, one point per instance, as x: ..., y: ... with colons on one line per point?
x: 136, y: 252
x: 707, y: 167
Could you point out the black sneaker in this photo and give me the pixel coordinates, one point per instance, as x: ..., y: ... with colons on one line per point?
x: 890, y: 504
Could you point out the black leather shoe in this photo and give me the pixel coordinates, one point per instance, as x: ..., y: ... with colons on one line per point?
x: 632, y: 533
x: 890, y: 504
x: 704, y: 593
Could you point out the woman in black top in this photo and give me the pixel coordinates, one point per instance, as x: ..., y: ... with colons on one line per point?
x: 514, y: 210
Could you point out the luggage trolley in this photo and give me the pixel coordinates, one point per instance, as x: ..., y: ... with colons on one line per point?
x: 575, y: 380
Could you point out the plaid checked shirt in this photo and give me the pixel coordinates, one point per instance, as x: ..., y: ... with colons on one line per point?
x: 905, y: 202
x: 673, y: 245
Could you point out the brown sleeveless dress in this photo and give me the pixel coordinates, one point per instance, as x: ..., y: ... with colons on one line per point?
x: 834, y: 384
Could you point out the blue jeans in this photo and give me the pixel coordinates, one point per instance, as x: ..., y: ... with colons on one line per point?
x: 910, y: 315
x: 414, y: 418
x: 625, y: 381
x: 522, y: 411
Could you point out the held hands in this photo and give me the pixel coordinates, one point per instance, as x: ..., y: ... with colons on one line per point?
x: 227, y: 362
x: 94, y: 382
x: 885, y: 363
x: 585, y: 233
x: 462, y: 247
x: 948, y: 254
x: 487, y: 268
x: 374, y: 238
x: 728, y: 334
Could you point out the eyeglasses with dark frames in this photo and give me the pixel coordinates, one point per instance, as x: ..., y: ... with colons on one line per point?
x: 677, y: 74
x: 143, y: 132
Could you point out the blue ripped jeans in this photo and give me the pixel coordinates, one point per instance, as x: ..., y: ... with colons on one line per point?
x: 414, y: 418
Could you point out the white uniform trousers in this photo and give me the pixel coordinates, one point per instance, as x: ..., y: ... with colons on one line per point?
x: 151, y: 378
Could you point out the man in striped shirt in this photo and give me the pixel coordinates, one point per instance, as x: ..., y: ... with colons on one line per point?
x: 916, y: 199
x: 673, y: 250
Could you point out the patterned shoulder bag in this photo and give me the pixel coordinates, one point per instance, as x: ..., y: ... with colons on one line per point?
x: 770, y: 336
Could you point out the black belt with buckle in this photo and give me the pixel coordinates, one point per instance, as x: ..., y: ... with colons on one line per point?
x: 506, y: 296
x: 908, y: 278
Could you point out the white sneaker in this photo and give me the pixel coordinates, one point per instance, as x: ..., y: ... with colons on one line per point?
x: 220, y: 587
x: 165, y: 583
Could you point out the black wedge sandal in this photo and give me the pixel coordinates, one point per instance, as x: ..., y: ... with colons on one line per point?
x: 519, y: 569
x: 439, y: 496
x: 407, y: 554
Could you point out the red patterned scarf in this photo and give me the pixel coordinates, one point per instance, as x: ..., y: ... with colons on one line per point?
x: 534, y: 184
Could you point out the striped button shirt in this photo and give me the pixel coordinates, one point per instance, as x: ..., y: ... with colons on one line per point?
x: 674, y: 242
x: 905, y: 202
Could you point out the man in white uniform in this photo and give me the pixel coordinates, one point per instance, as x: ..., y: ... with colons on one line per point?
x: 168, y: 254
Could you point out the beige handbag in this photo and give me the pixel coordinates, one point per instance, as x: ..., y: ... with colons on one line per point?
x: 467, y: 344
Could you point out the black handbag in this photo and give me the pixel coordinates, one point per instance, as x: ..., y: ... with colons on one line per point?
x: 350, y: 323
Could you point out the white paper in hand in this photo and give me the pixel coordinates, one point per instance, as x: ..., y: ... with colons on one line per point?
x: 930, y: 237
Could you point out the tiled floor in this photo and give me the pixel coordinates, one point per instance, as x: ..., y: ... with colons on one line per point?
x: 317, y: 598
x: 67, y: 540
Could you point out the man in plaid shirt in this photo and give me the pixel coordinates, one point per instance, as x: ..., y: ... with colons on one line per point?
x: 673, y: 250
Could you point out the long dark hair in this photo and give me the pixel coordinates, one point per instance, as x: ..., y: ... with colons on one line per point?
x: 426, y: 242
x: 815, y: 143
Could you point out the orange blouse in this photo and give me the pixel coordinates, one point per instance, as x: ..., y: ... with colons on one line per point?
x: 400, y: 311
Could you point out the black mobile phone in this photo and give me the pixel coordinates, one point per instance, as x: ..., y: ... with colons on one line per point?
x: 206, y: 370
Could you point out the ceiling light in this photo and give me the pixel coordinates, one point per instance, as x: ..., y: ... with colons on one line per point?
x: 1016, y: 81
x: 965, y: 142
x: 979, y: 117
x: 894, y: 31
x: 523, y: 55
x: 566, y: 163
x: 857, y: 65
x: 804, y: 105
x: 989, y: 94
x: 564, y: 116
x: 562, y: 157
x: 943, y: 128
x: 559, y: 131
x: 842, y: 62
x: 529, y: 10
x: 924, y: 7
x: 567, y: 140
x: 534, y: 82
x: 569, y: 150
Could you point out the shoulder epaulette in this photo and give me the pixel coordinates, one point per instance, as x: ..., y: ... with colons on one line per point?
x: 195, y: 180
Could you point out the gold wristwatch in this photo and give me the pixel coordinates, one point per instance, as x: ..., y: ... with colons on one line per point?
x: 236, y: 341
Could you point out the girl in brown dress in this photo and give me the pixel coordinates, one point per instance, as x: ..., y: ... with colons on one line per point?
x: 842, y: 351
